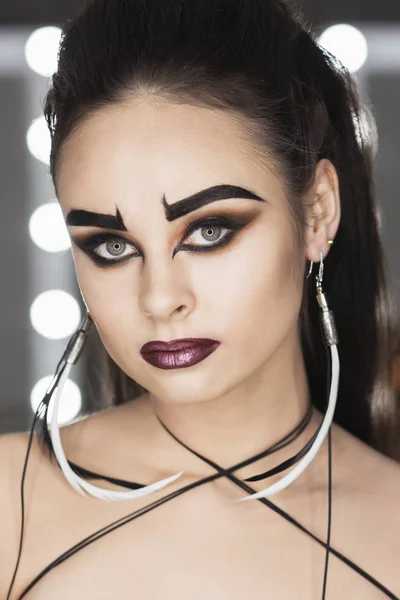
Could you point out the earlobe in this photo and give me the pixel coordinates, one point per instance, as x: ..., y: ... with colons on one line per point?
x: 314, y: 251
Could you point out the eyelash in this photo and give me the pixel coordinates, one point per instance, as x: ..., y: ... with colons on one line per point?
x: 89, y: 242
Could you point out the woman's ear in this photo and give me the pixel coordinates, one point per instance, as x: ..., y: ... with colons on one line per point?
x: 323, y: 210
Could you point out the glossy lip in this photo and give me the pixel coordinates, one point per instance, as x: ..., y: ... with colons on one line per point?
x: 180, y: 359
x: 174, y: 345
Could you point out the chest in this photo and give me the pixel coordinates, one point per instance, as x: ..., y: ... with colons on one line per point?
x: 194, y: 547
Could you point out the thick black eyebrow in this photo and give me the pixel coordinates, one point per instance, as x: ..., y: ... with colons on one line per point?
x: 85, y: 218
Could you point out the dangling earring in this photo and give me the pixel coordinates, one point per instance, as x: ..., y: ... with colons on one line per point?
x: 70, y: 357
x: 330, y: 242
x: 331, y: 339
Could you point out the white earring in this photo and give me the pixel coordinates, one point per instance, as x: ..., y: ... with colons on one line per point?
x: 83, y: 487
x: 331, y: 340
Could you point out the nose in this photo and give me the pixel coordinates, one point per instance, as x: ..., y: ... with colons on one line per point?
x: 165, y: 291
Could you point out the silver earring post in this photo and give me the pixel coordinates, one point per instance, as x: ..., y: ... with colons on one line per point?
x: 320, y: 271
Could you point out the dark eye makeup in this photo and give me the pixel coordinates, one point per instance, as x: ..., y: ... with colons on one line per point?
x: 233, y: 223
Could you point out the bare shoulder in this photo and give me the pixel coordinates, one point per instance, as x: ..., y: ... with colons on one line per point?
x: 366, y: 509
x: 13, y: 447
x: 372, y: 470
x: 13, y: 452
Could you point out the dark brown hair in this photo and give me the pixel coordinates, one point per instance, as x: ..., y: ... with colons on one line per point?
x: 259, y: 61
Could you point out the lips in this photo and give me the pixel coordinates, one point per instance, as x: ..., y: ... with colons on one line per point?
x: 174, y: 345
x: 190, y: 352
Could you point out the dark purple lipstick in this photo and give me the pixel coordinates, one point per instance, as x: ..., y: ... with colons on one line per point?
x: 178, y: 354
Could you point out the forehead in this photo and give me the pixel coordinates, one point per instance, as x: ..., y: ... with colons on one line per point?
x: 146, y: 146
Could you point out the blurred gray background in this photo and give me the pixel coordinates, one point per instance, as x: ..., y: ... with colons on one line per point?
x: 28, y: 355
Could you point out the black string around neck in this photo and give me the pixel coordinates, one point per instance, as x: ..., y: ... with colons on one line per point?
x: 294, y: 434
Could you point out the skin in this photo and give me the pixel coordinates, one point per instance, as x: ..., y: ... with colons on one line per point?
x: 235, y: 403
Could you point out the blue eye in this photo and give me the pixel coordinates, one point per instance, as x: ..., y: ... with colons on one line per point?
x: 112, y: 245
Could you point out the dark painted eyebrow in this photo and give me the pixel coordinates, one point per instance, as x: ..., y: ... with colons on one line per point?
x: 85, y: 218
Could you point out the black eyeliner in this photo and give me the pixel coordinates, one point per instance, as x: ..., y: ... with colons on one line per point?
x: 235, y: 222
x: 89, y: 241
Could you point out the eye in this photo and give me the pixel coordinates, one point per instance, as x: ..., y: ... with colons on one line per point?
x: 114, y: 247
x: 209, y: 232
x: 105, y: 248
x: 110, y: 249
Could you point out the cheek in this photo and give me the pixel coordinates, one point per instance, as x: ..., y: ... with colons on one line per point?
x: 257, y: 295
x: 101, y: 292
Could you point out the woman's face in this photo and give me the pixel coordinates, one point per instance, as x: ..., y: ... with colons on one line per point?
x: 246, y: 294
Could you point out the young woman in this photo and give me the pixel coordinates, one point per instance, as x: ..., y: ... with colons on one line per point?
x: 215, y: 173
